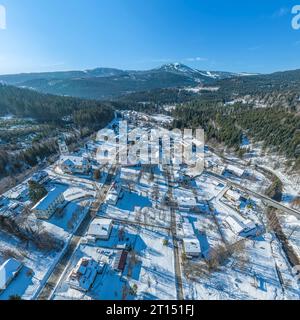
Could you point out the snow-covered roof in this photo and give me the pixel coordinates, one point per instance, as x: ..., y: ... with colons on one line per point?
x: 73, y: 160
x: 45, y: 202
x: 188, y: 230
x: 8, y: 271
x: 100, y: 227
x: 39, y: 176
x: 129, y: 174
x: 235, y: 226
x: 191, y: 245
x: 84, y: 274
x: 234, y: 195
x: 238, y: 171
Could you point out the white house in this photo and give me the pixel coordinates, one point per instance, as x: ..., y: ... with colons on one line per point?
x: 100, y: 229
x: 74, y: 164
x: 191, y: 247
x: 8, y: 271
x: 46, y: 207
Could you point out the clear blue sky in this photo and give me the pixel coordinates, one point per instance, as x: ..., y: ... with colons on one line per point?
x: 233, y: 35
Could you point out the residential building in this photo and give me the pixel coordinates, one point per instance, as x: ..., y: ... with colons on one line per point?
x: 233, y: 196
x: 74, y: 164
x: 46, y: 207
x: 40, y: 177
x: 100, y: 229
x: 235, y: 170
x: 84, y: 274
x: 191, y: 247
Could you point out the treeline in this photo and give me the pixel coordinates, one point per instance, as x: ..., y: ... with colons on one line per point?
x: 46, y: 107
x: 15, y: 162
x: 53, y: 115
x: 278, y: 128
x: 159, y: 96
x: 94, y: 117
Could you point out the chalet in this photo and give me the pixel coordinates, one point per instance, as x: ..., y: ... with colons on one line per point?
x: 46, y: 207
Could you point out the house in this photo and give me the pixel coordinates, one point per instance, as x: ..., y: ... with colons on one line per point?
x: 232, y: 196
x: 84, y: 274
x: 114, y: 195
x: 40, y: 177
x: 186, y: 203
x: 251, y: 229
x: 20, y: 192
x: 74, y: 164
x: 100, y: 229
x: 8, y: 271
x: 235, y: 170
x: 191, y: 247
x: 46, y: 207
x: 120, y: 260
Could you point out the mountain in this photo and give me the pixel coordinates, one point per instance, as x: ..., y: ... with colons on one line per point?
x: 198, y: 75
x: 19, y: 79
x: 105, y: 83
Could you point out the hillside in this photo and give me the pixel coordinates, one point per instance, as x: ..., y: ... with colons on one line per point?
x: 104, y: 83
x: 46, y: 107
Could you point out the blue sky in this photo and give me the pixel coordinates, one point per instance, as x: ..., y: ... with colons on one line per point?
x: 233, y: 35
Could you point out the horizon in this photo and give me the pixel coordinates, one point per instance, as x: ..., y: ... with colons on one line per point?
x: 252, y: 37
x: 149, y: 69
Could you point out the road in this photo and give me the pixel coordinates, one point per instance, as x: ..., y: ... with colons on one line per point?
x: 272, y: 203
x: 56, y: 275
x: 178, y: 277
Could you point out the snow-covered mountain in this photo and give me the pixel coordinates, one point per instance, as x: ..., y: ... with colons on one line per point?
x: 103, y: 83
x: 201, y: 76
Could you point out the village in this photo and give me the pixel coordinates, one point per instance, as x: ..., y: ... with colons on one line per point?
x: 141, y: 232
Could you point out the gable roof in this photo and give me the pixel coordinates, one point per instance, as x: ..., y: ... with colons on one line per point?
x: 8, y: 271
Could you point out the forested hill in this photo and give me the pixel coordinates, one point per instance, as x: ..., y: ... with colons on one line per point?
x: 278, y: 128
x: 46, y: 107
x: 279, y: 89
